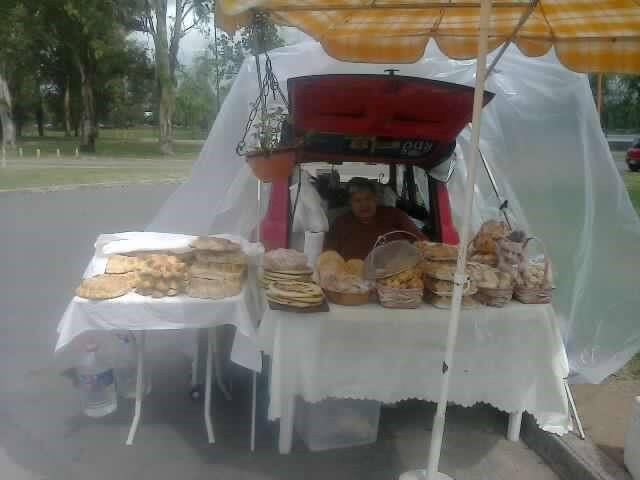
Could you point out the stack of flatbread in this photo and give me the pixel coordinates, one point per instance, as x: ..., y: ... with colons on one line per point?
x: 284, y: 265
x: 162, y: 275
x: 219, y: 268
x: 299, y: 295
x: 438, y: 278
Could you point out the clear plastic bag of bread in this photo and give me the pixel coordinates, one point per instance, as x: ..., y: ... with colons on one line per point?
x: 487, y: 237
x: 389, y: 258
x: 285, y: 260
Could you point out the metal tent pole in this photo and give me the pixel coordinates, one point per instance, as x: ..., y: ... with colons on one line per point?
x: 254, y: 376
x: 437, y: 433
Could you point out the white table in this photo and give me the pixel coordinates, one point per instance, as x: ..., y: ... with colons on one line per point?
x: 512, y: 358
x: 140, y: 314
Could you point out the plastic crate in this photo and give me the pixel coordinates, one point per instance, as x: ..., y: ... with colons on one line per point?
x: 337, y: 423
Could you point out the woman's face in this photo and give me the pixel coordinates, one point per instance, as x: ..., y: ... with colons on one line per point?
x: 363, y: 205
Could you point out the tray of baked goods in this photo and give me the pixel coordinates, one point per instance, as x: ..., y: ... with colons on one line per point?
x: 213, y: 268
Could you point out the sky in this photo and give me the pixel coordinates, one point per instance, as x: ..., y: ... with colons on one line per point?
x: 195, y: 41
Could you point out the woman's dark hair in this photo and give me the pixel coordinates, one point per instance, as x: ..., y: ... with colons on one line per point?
x: 360, y: 184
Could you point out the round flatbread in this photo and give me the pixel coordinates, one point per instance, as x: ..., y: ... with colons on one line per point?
x: 215, y: 244
x: 286, y: 301
x: 104, y: 287
x: 295, y: 290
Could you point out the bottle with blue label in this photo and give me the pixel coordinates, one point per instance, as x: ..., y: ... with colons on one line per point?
x: 97, y: 384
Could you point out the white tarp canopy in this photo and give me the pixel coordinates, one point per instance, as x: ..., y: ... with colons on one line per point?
x: 540, y: 134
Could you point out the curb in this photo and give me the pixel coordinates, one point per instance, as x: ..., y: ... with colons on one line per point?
x: 80, y: 186
x: 570, y: 457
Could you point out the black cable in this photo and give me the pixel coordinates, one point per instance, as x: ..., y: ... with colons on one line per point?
x: 295, y: 203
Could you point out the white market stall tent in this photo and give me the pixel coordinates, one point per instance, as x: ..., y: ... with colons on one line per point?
x: 542, y: 138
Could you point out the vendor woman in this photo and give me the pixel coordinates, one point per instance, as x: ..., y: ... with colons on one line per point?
x: 354, y: 234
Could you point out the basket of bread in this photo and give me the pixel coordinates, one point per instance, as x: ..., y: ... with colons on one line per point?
x: 494, y: 287
x: 343, y: 280
x: 402, y: 290
x: 535, y: 284
x: 438, y: 278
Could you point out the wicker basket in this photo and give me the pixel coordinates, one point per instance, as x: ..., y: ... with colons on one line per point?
x: 348, y: 299
x: 400, y: 298
x: 494, y: 297
x: 541, y: 294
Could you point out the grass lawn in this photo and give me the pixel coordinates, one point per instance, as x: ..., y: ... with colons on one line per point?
x: 131, y: 144
x: 12, y: 178
x: 632, y: 181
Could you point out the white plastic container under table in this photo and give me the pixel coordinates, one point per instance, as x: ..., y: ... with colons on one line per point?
x: 632, y: 442
x: 337, y: 423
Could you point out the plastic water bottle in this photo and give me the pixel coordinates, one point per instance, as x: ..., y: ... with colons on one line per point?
x: 126, y: 369
x: 97, y: 384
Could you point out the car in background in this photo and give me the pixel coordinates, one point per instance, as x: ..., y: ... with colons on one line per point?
x: 633, y: 156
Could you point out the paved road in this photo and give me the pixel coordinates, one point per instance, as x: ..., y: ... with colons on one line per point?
x: 46, y: 241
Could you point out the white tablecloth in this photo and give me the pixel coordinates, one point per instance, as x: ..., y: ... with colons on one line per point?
x: 134, y: 312
x: 512, y: 357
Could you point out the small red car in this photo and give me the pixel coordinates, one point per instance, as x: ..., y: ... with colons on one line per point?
x: 633, y: 156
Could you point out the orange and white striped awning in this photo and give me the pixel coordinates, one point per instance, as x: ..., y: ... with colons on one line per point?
x: 588, y: 35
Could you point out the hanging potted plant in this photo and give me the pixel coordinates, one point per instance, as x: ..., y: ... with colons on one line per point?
x: 266, y: 155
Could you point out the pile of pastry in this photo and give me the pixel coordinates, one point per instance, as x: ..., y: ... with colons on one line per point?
x: 218, y: 269
x: 287, y: 280
x: 343, y: 277
x: 151, y: 274
x: 215, y: 268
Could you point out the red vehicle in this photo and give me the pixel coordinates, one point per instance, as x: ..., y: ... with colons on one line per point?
x: 406, y: 125
x: 633, y: 156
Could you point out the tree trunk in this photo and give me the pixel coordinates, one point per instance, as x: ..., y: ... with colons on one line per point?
x: 40, y: 118
x: 166, y: 87
x: 88, y: 127
x: 6, y: 117
x: 67, y: 109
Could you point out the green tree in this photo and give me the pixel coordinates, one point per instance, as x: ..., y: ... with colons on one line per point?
x: 15, y: 63
x: 91, y: 31
x: 167, y: 33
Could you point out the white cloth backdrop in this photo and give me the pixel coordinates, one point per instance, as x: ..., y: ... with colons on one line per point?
x: 540, y: 134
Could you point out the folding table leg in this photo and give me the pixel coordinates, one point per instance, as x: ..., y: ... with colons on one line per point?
x: 515, y: 422
x: 286, y: 425
x: 207, y: 390
x: 574, y: 410
x: 219, y: 379
x: 253, y: 410
x: 139, y: 388
x: 195, y: 365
